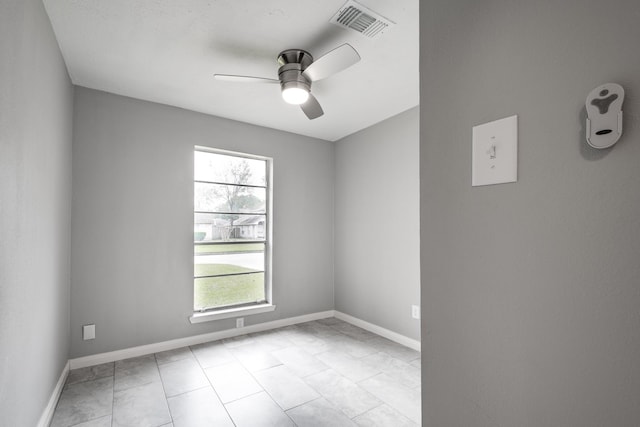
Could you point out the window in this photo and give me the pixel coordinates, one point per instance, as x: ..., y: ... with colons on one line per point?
x: 231, y: 230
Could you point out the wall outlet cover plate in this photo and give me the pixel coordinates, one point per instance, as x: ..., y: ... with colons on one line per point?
x: 415, y: 311
x: 495, y: 152
x: 88, y: 332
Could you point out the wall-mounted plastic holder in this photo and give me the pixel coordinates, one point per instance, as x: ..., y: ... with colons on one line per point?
x: 604, y: 115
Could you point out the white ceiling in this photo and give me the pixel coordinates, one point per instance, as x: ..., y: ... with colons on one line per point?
x: 167, y: 51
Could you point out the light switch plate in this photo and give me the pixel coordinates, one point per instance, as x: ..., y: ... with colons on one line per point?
x: 495, y: 152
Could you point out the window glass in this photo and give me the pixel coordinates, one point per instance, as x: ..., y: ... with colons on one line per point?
x: 223, y: 168
x: 229, y: 198
x: 231, y: 210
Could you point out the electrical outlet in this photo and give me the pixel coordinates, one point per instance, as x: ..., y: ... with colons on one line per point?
x: 89, y: 332
x: 240, y: 322
x: 415, y: 311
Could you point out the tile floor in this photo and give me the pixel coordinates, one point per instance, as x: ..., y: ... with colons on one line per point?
x: 322, y: 373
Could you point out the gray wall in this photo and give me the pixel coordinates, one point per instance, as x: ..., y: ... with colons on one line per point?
x: 377, y: 271
x: 132, y: 232
x: 35, y: 199
x: 530, y: 291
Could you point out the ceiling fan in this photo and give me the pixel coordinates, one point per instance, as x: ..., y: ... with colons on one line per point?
x: 298, y: 71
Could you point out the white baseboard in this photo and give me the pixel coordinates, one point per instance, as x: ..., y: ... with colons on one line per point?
x: 393, y: 336
x: 142, y: 350
x: 47, y: 414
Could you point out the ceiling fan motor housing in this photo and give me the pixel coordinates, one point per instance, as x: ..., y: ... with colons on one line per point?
x: 292, y: 64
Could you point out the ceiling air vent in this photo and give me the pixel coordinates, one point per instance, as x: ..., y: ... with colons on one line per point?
x: 359, y: 18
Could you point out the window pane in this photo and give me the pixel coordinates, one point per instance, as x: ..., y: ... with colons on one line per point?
x: 228, y: 290
x: 201, y: 249
x: 229, y: 198
x: 217, y: 264
x: 224, y: 227
x: 230, y: 230
x: 216, y: 167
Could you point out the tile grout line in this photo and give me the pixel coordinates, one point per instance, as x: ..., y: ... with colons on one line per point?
x: 212, y: 387
x: 166, y: 399
x: 320, y: 395
x: 264, y: 389
x: 338, y: 373
x: 399, y: 410
x: 336, y: 407
x: 382, y: 403
x: 113, y: 392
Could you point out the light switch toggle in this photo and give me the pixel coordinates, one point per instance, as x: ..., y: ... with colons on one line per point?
x: 492, y: 150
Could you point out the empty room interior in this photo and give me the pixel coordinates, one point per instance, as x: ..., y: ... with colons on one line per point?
x: 304, y: 213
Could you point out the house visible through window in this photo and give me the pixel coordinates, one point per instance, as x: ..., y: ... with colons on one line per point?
x: 231, y: 230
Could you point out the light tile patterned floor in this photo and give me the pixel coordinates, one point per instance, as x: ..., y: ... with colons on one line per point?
x: 322, y: 373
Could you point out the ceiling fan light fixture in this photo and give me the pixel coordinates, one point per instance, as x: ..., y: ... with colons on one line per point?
x: 295, y: 94
x: 298, y: 71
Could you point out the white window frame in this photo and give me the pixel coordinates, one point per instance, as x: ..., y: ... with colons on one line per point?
x: 244, y: 310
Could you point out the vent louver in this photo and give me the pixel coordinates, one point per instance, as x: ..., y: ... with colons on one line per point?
x: 361, y: 19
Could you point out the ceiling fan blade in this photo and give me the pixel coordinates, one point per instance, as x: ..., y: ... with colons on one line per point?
x: 333, y: 62
x: 312, y: 108
x: 243, y: 79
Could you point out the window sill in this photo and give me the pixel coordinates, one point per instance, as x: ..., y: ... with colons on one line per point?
x: 231, y: 312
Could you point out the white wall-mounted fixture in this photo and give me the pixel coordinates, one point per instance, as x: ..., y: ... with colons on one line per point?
x: 604, y: 115
x: 88, y: 332
x: 415, y: 311
x: 495, y: 152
